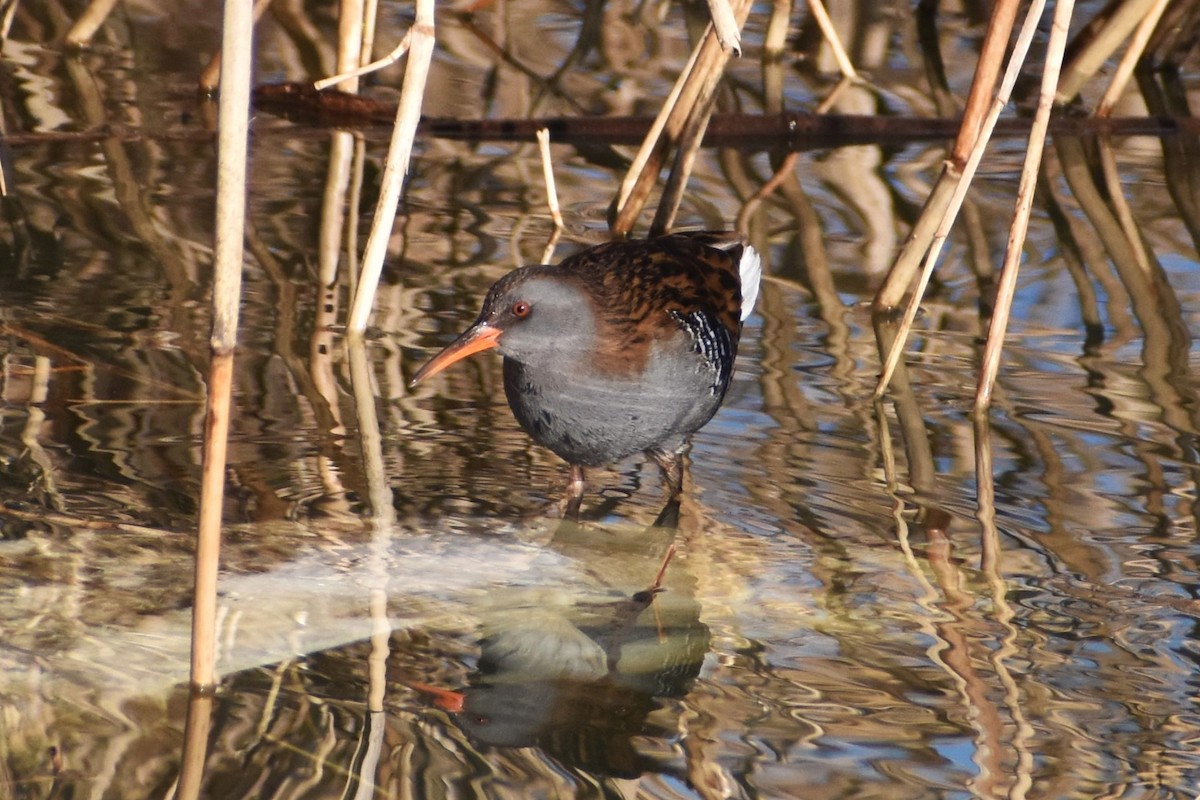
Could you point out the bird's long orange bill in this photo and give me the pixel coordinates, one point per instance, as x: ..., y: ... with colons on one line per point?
x: 476, y: 339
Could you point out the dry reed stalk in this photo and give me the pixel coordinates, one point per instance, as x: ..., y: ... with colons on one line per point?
x: 551, y: 245
x: 383, y: 517
x: 365, y: 50
x: 728, y: 30
x: 921, y: 238
x: 341, y: 147
x: 232, y: 136
x: 379, y: 493
x: 685, y: 160
x: 1176, y: 35
x: 370, y: 21
x: 195, y: 746
x: 959, y: 182
x: 1120, y: 206
x: 990, y: 550
x: 650, y: 143
x: 1090, y: 58
x: 349, y: 40
x: 773, y: 48
x: 211, y: 74
x: 332, y: 222
x: 8, y: 10
x: 688, y: 106
x: 832, y: 98
x: 232, y: 133
x: 775, y: 38
x: 1137, y: 46
x: 1025, y: 191
x: 1002, y: 612
x: 408, y: 114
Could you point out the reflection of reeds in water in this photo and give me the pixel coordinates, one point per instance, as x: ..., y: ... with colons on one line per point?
x: 292, y: 457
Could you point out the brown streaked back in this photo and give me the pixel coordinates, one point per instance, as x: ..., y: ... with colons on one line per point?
x: 636, y: 285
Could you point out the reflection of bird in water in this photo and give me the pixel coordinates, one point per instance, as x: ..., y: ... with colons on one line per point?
x: 579, y: 688
x: 623, y: 348
x: 579, y: 678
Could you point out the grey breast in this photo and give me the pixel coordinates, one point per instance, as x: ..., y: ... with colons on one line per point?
x: 593, y: 420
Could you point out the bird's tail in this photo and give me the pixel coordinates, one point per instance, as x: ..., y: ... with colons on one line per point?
x: 750, y: 269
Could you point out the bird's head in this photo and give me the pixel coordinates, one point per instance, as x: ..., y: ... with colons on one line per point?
x: 531, y: 313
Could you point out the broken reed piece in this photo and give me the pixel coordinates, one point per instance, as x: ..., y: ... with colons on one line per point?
x: 543, y: 137
x: 729, y: 32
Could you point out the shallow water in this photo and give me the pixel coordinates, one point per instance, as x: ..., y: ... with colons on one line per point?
x: 839, y: 618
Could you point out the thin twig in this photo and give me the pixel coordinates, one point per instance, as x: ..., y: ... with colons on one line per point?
x: 831, y: 38
x: 391, y: 58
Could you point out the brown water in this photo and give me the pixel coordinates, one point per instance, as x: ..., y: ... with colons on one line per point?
x: 828, y: 629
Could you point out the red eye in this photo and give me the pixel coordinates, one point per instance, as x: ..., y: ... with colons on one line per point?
x: 520, y: 309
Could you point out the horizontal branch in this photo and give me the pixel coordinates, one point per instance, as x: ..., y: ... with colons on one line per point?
x: 790, y: 131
